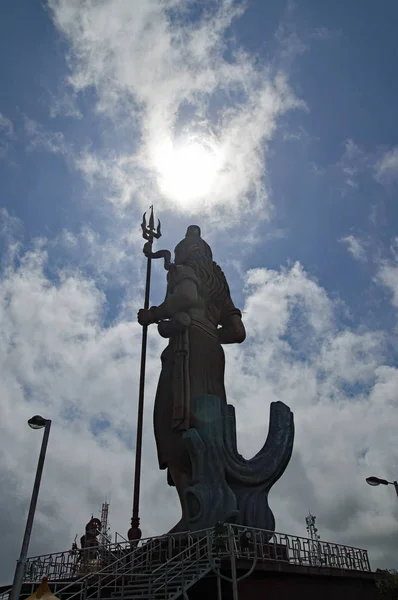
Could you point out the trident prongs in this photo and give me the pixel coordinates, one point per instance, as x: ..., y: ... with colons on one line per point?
x: 148, y: 231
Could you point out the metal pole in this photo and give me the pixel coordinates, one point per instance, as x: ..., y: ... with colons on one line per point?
x: 233, y: 563
x: 149, y: 233
x: 135, y: 520
x: 20, y: 568
x: 395, y: 483
x: 219, y: 592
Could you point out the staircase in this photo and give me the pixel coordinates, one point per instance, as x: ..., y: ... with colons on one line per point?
x: 169, y: 580
x: 155, y: 570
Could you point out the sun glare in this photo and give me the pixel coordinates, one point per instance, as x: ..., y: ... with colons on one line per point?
x: 187, y: 172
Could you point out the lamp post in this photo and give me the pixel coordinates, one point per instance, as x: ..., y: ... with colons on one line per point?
x: 377, y: 481
x: 36, y: 422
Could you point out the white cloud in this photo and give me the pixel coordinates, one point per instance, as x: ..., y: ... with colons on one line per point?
x: 57, y: 358
x: 39, y: 137
x: 357, y: 161
x: 35, y: 137
x: 290, y: 42
x: 6, y: 126
x: 388, y: 274
x: 386, y: 168
x: 64, y: 103
x: 6, y: 134
x: 355, y: 247
x: 352, y: 163
x: 150, y: 70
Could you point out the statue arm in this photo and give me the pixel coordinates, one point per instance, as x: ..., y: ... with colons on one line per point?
x: 232, y: 331
x: 183, y: 297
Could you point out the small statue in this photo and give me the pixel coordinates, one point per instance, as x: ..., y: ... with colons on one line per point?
x: 194, y: 426
x: 89, y: 542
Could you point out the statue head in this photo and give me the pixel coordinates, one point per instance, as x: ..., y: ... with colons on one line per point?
x: 192, y: 247
x: 93, y: 527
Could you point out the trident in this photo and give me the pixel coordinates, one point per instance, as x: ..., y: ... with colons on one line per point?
x: 149, y: 233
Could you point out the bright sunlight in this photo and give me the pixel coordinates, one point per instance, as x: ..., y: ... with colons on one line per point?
x: 187, y: 171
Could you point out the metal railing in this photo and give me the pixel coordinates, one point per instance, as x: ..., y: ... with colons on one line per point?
x: 63, y: 568
x: 181, y: 571
x: 167, y: 580
x: 157, y: 565
x: 135, y: 556
x: 72, y: 564
x: 280, y: 547
x: 5, y: 595
x: 164, y: 562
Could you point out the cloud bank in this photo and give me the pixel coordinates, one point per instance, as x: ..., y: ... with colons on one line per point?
x: 57, y: 358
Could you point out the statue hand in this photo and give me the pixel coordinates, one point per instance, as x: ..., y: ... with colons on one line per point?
x: 145, y: 316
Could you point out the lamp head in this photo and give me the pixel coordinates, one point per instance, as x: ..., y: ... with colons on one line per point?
x: 376, y: 481
x: 37, y: 422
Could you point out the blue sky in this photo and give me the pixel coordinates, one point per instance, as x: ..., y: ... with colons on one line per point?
x: 273, y: 126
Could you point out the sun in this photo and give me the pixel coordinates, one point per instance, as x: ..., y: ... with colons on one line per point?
x: 187, y: 170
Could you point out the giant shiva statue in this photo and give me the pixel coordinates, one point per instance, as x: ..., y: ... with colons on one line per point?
x: 195, y: 428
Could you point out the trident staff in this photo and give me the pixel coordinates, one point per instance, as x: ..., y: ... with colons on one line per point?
x: 149, y: 233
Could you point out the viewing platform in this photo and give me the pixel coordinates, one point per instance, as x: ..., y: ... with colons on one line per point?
x: 213, y: 563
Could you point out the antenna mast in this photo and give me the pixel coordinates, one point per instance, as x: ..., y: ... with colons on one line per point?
x: 314, y: 544
x: 105, y: 537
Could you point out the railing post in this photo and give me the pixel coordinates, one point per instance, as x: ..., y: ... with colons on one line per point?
x: 231, y: 540
x: 99, y: 588
x: 339, y: 559
x: 197, y: 551
x: 85, y: 589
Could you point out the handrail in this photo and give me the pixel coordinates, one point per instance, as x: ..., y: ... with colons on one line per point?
x: 173, y: 559
x: 120, y: 535
x: 141, y: 541
x: 299, y: 550
x: 103, y: 571
x: 298, y: 537
x: 98, y: 574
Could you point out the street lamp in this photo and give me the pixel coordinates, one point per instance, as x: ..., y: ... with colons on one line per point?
x: 36, y: 422
x: 377, y: 481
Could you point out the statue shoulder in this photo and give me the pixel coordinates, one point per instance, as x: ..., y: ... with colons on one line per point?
x: 178, y: 273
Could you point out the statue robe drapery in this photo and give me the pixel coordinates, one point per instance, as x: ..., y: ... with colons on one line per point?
x: 193, y: 364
